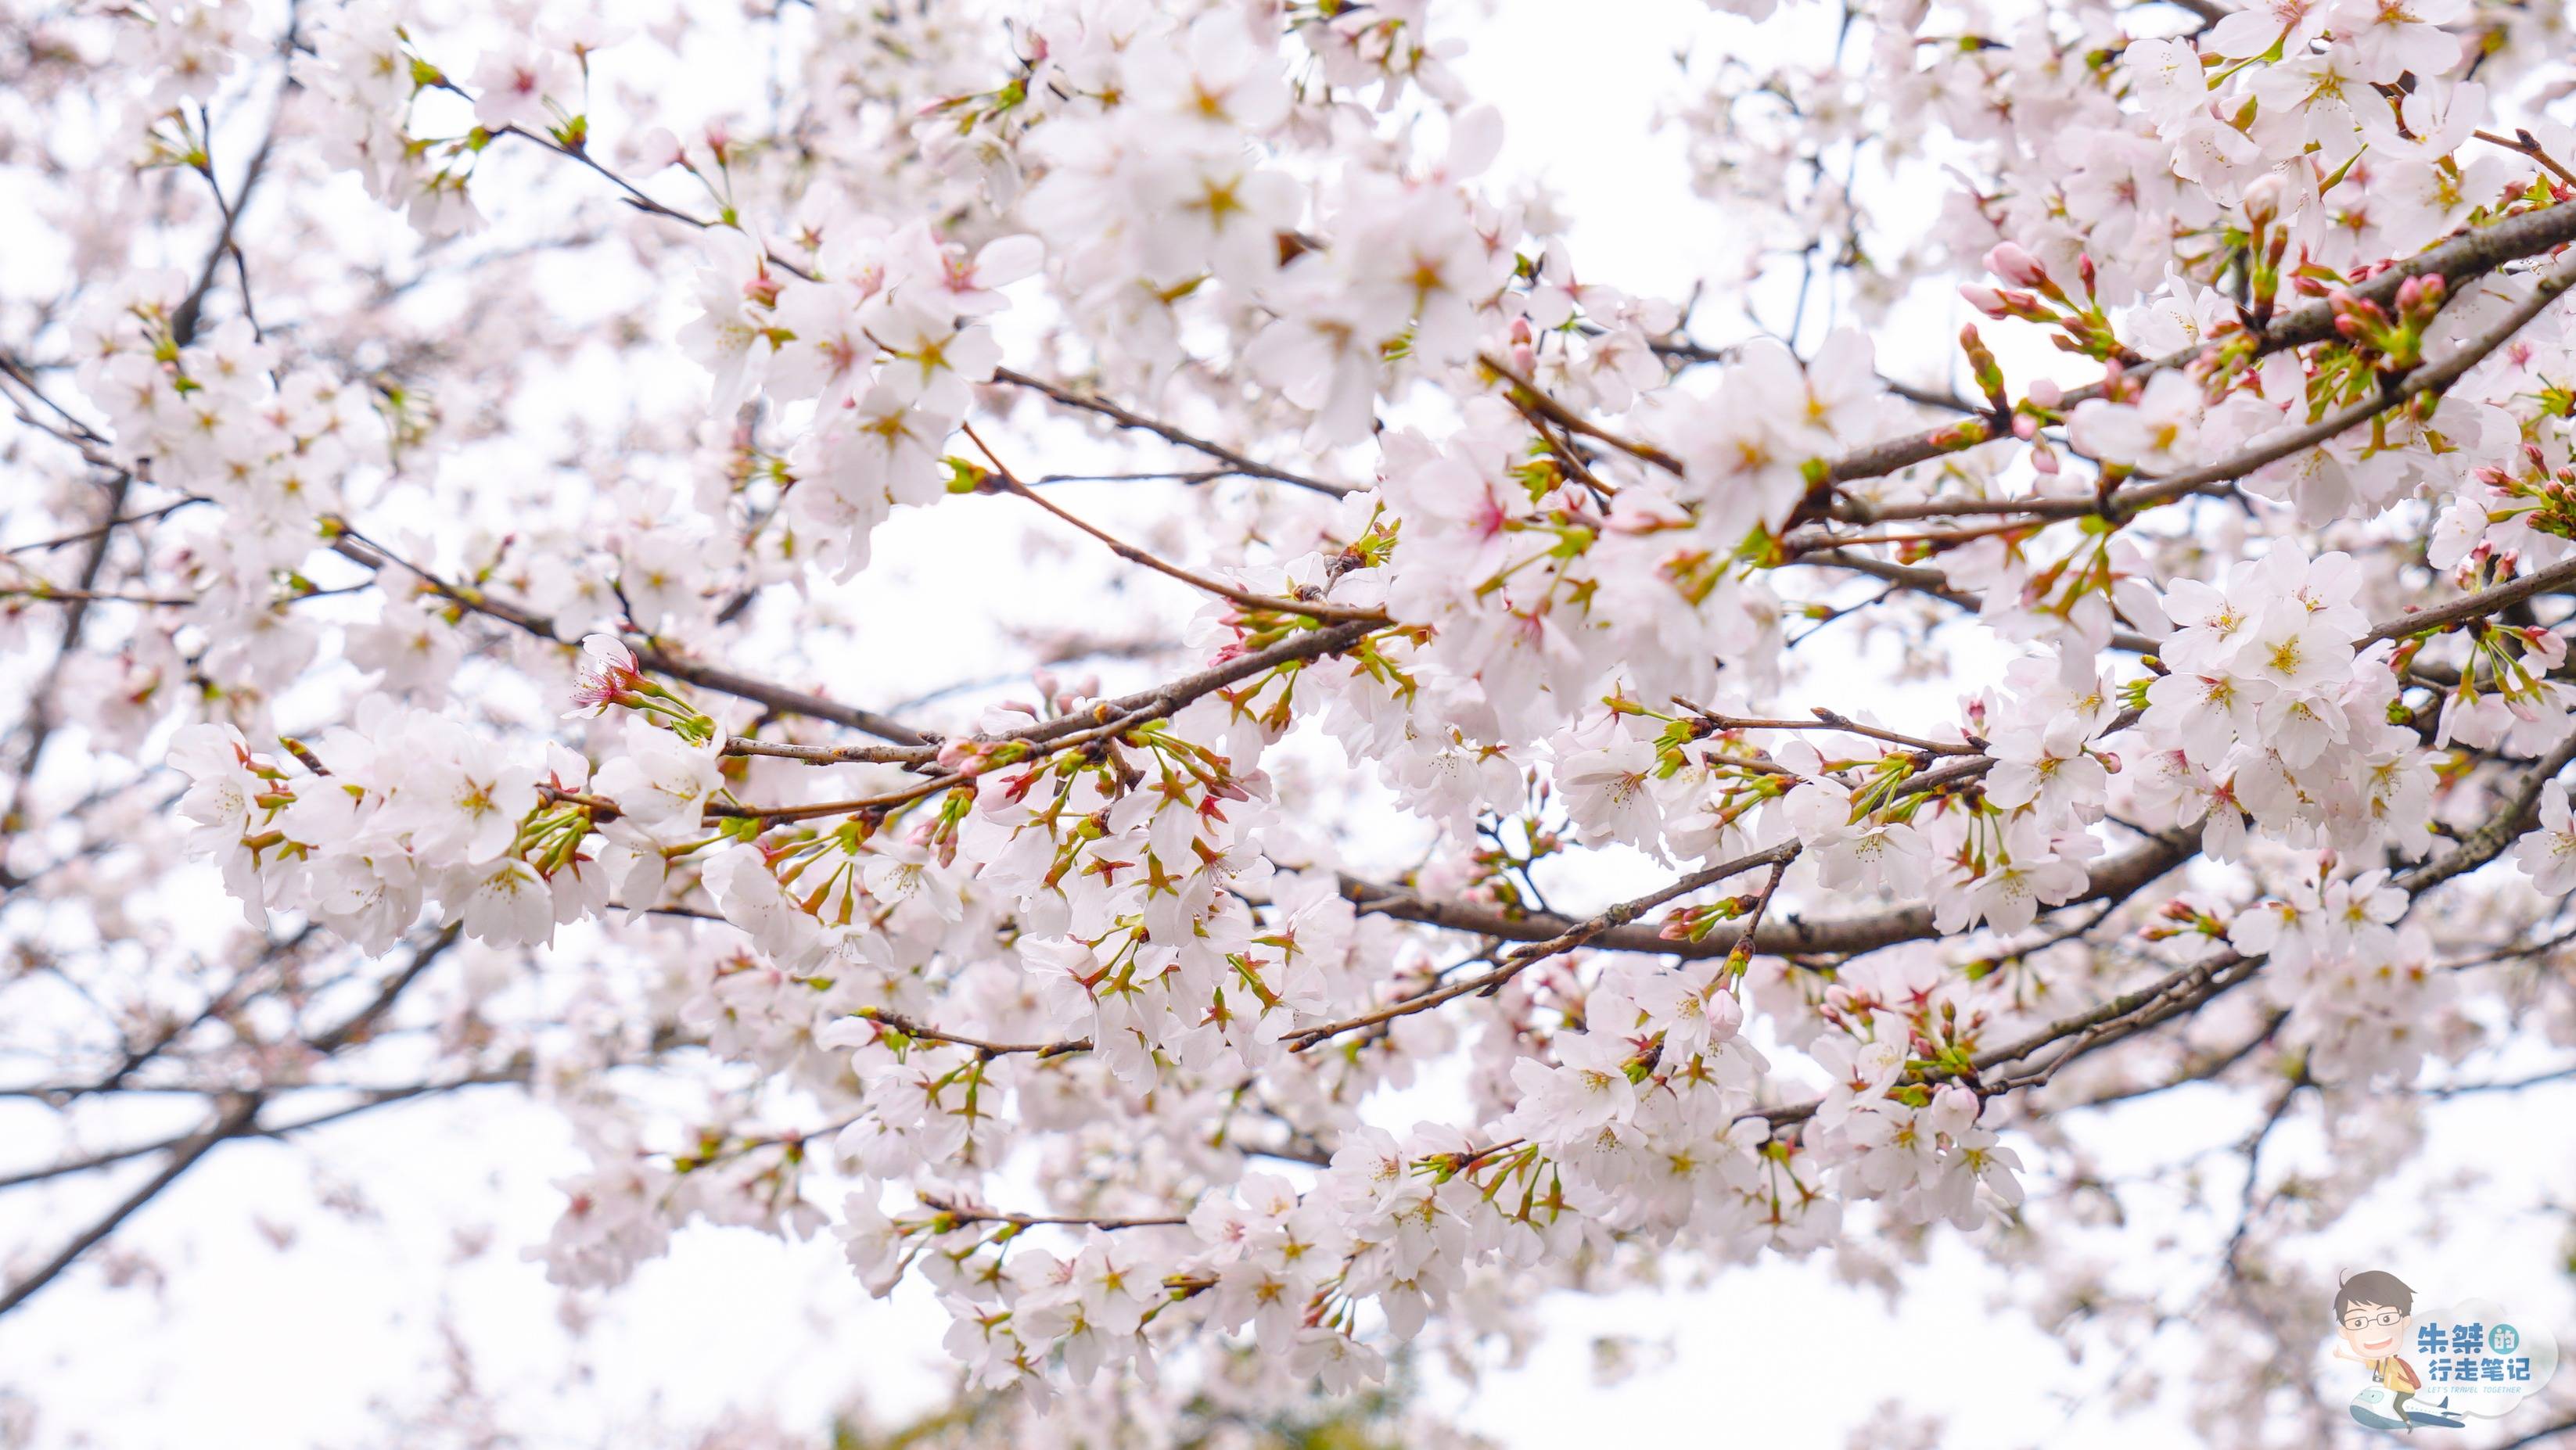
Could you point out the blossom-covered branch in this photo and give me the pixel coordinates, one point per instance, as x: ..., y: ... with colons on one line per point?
x: 1771, y: 809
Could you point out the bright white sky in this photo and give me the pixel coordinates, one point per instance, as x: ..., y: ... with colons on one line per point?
x: 250, y: 1344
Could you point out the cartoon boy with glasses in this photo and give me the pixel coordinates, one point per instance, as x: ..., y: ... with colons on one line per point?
x: 2373, y: 1311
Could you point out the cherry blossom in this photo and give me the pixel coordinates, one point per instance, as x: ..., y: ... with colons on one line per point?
x: 1501, y: 779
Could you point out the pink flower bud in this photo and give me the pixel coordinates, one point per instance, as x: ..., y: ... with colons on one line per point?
x: 2263, y: 198
x: 2046, y: 393
x: 1725, y: 1016
x: 2016, y: 266
x: 1983, y: 298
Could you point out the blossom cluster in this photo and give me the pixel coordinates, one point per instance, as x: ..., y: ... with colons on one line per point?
x: 1760, y: 800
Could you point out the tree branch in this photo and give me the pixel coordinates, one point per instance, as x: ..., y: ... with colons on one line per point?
x: 230, y: 1123
x: 2457, y: 261
x: 1234, y: 462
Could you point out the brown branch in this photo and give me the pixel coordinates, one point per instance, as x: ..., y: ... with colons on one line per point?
x: 2116, y: 879
x: 216, y: 1005
x: 1575, y: 935
x: 363, y: 1021
x: 982, y: 1047
x: 48, y: 594
x: 2198, y: 1070
x: 1827, y: 720
x: 950, y: 1209
x: 818, y: 810
x: 2190, y: 987
x: 825, y: 754
x: 367, y: 553
x: 2427, y: 378
x: 40, y: 701
x: 228, y: 1124
x: 1235, y: 462
x: 1528, y: 393
x: 85, y: 535
x: 1259, y: 603
x: 2473, y: 606
x: 1068, y: 732
x: 1934, y: 584
x: 183, y: 322
x: 2529, y: 145
x: 2456, y: 261
x: 369, y: 1098
x: 1686, y: 353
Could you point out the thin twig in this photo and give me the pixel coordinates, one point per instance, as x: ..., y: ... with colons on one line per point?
x: 1124, y: 418
x: 1260, y: 603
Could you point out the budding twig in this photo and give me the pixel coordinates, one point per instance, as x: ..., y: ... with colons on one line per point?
x: 1315, y: 609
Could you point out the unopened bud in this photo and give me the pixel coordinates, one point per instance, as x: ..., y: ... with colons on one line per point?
x: 2263, y: 198
x: 2010, y: 262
